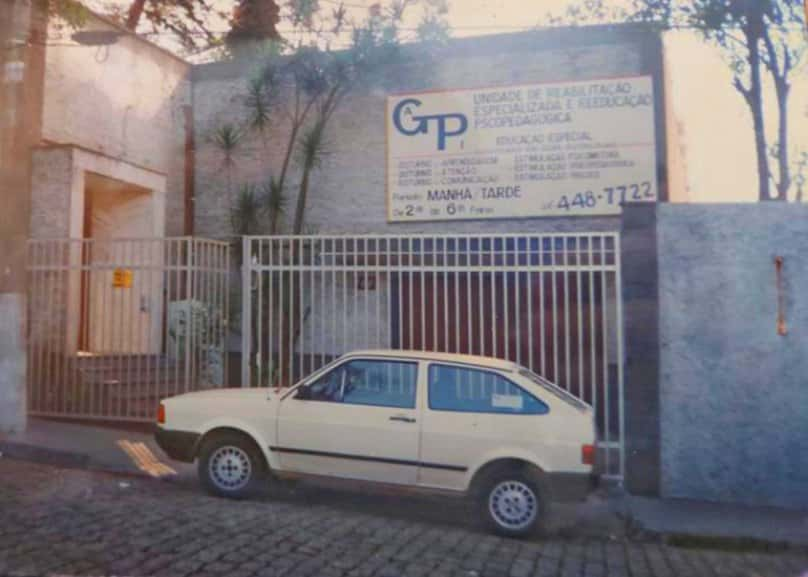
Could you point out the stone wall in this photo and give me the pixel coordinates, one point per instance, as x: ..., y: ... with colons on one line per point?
x: 347, y: 194
x: 732, y: 391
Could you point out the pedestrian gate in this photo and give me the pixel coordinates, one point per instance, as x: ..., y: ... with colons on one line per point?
x: 547, y: 301
x: 115, y: 325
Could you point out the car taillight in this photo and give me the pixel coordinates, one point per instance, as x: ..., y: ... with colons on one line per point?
x: 161, y: 414
x: 588, y: 454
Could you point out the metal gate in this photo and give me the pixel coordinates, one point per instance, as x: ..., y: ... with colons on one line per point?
x: 116, y: 325
x: 549, y: 302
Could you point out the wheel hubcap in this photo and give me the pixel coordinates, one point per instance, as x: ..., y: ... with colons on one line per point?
x: 513, y: 505
x: 230, y: 468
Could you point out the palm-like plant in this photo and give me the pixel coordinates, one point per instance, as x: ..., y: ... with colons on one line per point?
x: 227, y: 138
x: 274, y: 202
x: 312, y: 148
x: 245, y: 213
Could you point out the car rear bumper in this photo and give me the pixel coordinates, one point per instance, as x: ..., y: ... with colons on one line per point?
x: 178, y: 445
x: 569, y: 487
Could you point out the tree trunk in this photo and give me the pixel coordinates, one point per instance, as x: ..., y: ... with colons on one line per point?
x: 135, y: 12
x: 755, y: 101
x: 300, y: 210
x: 784, y: 182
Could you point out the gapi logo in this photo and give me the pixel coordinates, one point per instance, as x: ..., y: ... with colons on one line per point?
x: 419, y: 123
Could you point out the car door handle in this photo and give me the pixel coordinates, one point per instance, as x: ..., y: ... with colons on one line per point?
x: 402, y: 418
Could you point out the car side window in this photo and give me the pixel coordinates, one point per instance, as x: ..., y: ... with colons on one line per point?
x: 470, y: 390
x: 367, y: 382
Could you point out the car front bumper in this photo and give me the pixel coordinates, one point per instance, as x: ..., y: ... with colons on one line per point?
x: 178, y: 445
x: 570, y: 487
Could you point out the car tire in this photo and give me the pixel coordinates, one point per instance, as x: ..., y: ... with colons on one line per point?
x: 514, y: 502
x: 231, y: 465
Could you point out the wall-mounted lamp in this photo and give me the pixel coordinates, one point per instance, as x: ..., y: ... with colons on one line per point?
x: 96, y: 37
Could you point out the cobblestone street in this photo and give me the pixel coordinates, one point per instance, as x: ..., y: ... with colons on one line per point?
x: 79, y: 523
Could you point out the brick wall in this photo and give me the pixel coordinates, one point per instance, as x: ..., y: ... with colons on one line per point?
x: 348, y: 193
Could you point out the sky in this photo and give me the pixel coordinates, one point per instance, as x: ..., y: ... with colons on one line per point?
x: 715, y: 134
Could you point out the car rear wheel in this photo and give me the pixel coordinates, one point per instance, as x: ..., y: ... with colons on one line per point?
x: 512, y: 503
x: 230, y: 465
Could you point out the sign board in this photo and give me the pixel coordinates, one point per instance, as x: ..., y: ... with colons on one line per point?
x: 560, y: 149
x: 122, y: 278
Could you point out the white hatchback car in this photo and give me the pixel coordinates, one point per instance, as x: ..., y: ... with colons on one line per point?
x: 478, y: 426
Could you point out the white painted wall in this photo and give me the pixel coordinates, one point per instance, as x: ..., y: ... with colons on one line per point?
x: 125, y: 102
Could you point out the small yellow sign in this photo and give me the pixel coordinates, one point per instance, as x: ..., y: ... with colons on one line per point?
x: 121, y: 278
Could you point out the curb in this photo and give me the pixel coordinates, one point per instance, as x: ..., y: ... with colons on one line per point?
x: 67, y: 460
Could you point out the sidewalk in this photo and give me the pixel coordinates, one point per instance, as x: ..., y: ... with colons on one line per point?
x: 87, y: 446
x: 609, y: 514
x: 683, y: 518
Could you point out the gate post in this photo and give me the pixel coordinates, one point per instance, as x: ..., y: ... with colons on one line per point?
x: 640, y: 294
x: 246, y: 310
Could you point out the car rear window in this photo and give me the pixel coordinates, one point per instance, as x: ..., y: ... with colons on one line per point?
x: 469, y: 390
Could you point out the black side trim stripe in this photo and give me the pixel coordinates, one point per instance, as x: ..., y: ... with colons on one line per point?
x: 366, y: 458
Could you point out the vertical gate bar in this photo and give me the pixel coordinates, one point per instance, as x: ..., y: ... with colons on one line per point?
x: 506, y: 337
x: 57, y: 317
x: 59, y: 333
x: 190, y: 327
x: 556, y: 379
x: 246, y: 311
x: 283, y: 315
x: 312, y: 299
x: 172, y: 357
x: 517, y: 292
x: 530, y: 304
x: 410, y: 288
x: 422, y: 268
x: 567, y: 367
x: 226, y: 326
x: 51, y: 377
x: 618, y: 291
x: 35, y: 312
x: 434, y: 277
x: 605, y: 337
x: 365, y: 293
x: 592, y: 343
x: 481, y: 296
x: 493, y: 265
x: 456, y: 266
x: 259, y: 315
x: 345, y: 292
x: 300, y: 306
x: 469, y: 327
x: 133, y: 363
x: 84, y: 323
x: 378, y: 288
x: 542, y: 341
x: 272, y: 364
x: 445, y: 296
x: 578, y: 291
x: 333, y: 308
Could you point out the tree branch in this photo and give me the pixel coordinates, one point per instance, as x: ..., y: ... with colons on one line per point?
x: 745, y: 92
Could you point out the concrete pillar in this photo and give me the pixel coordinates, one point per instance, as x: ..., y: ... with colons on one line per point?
x: 12, y: 363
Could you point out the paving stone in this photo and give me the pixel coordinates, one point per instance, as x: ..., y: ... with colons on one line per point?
x: 159, y: 529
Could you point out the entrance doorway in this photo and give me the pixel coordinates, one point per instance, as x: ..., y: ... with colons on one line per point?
x: 122, y: 304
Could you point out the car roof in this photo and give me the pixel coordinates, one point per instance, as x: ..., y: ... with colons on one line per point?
x: 489, y: 362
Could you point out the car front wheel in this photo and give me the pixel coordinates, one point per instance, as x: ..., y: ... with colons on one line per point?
x: 513, y: 503
x: 230, y: 465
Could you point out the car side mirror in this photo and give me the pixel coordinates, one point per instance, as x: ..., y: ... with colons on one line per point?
x: 303, y: 393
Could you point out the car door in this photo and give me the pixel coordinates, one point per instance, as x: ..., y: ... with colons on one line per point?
x: 359, y: 420
x: 471, y: 412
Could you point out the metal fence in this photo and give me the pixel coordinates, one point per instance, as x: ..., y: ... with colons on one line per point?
x: 116, y: 325
x: 548, y: 302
